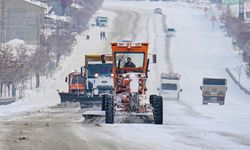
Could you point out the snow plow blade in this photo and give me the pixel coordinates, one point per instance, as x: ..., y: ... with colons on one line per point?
x: 70, y: 97
x: 86, y: 101
x: 121, y: 117
x: 6, y: 101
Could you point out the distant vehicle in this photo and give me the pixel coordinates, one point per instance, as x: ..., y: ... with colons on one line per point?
x: 101, y: 21
x: 214, y: 90
x: 170, y: 86
x: 158, y: 11
x: 170, y: 32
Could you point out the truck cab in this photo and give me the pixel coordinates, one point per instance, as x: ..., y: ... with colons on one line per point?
x: 75, y: 82
x: 214, y: 90
x: 170, y: 86
x: 98, y: 75
x: 99, y: 78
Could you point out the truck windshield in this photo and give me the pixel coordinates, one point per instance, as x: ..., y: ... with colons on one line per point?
x: 214, y: 81
x: 169, y: 86
x: 135, y: 59
x: 77, y: 79
x: 100, y: 69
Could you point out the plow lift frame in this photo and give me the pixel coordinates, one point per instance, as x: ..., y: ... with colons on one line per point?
x: 116, y: 104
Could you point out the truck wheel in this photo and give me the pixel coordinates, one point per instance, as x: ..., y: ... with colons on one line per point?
x: 152, y: 99
x: 204, y: 102
x: 158, y: 110
x: 109, y: 110
x: 222, y: 102
x: 103, y: 102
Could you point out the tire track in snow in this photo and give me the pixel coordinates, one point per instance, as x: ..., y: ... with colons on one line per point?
x: 125, y: 26
x: 161, y: 43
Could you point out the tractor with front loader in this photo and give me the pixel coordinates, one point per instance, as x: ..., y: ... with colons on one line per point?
x: 129, y: 98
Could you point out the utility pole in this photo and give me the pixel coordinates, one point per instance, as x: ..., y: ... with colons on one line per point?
x: 2, y: 22
x: 241, y: 10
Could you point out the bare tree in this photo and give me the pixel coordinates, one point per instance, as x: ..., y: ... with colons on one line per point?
x: 38, y: 63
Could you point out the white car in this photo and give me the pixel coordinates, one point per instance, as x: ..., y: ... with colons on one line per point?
x: 170, y: 86
x: 170, y: 32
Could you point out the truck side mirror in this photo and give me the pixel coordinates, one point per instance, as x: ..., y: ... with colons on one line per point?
x: 154, y: 58
x: 82, y: 72
x: 158, y: 89
x: 103, y: 59
x: 201, y: 87
x: 181, y: 90
x: 66, y: 79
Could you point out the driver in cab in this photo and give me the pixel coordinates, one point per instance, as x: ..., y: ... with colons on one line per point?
x: 129, y: 63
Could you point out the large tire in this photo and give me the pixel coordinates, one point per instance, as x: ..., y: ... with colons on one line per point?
x: 109, y: 109
x: 204, y: 102
x: 152, y: 99
x: 103, y: 102
x: 222, y: 102
x: 158, y: 110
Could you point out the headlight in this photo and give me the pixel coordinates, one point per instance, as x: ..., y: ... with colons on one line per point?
x: 96, y: 75
x: 96, y: 92
x: 112, y: 75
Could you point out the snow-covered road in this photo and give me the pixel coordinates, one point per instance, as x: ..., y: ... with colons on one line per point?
x: 197, y: 51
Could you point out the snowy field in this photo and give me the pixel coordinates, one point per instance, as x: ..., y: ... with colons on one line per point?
x: 195, y: 52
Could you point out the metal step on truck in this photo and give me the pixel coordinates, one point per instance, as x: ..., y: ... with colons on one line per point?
x: 170, y: 86
x: 214, y: 90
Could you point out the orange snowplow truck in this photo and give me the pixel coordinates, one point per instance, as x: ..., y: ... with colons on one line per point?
x: 76, y: 87
x: 130, y: 73
x: 75, y: 82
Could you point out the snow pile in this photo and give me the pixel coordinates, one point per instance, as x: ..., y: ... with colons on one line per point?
x: 74, y: 5
x: 37, y: 3
x: 15, y: 42
x: 57, y: 17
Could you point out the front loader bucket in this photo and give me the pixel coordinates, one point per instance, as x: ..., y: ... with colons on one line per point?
x: 86, y: 101
x: 70, y: 97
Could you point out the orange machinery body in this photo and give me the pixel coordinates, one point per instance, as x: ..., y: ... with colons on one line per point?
x: 142, y: 48
x: 122, y: 80
x: 75, y: 83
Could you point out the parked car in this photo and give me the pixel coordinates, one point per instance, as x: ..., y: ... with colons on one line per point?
x: 170, y: 32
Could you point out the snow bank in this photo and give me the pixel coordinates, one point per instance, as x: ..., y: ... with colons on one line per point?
x: 15, y: 42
